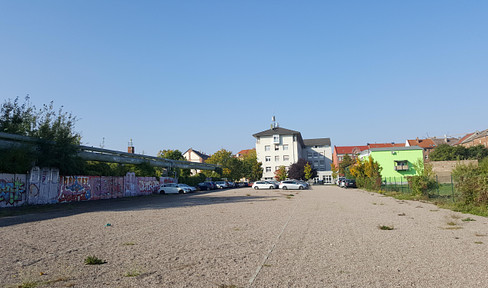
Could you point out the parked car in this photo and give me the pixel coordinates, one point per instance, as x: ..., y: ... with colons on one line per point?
x: 338, y: 181
x: 292, y: 184
x: 275, y: 183
x: 222, y: 184
x: 342, y: 183
x: 349, y: 183
x: 207, y: 185
x: 172, y: 188
x: 192, y: 189
x: 263, y: 185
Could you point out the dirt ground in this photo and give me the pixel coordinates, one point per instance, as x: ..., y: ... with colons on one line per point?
x: 323, y: 237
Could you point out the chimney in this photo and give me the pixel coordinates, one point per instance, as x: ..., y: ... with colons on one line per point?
x: 131, y: 148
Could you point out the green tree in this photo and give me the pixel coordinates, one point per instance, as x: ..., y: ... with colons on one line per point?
x: 297, y: 170
x: 308, y: 171
x: 174, y: 155
x: 367, y: 174
x: 281, y: 174
x: 54, y: 129
x: 232, y: 168
x: 347, y: 161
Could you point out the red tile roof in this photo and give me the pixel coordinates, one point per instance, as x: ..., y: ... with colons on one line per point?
x: 464, y: 138
x: 423, y: 143
x: 244, y: 152
x: 340, y: 150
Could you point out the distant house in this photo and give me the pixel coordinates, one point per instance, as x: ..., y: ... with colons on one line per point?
x: 242, y: 153
x: 463, y: 138
x: 451, y: 141
x: 341, y: 151
x: 475, y: 139
x: 195, y: 156
x: 396, y: 162
x: 427, y: 144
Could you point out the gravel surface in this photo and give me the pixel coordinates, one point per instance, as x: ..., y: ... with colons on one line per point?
x: 324, y: 237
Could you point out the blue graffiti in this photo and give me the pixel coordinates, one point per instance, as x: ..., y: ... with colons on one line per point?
x: 11, y: 192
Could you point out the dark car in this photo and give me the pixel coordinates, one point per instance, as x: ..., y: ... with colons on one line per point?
x: 349, y: 183
x: 205, y: 186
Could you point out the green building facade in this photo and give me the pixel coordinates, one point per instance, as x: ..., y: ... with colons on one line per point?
x: 397, y: 162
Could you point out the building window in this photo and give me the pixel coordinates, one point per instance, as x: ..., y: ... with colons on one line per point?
x: 322, y: 162
x: 267, y: 148
x: 309, y: 155
x: 285, y: 147
x: 277, y: 147
x: 315, y: 154
x: 268, y: 169
x: 286, y: 158
x: 267, y: 158
x: 277, y: 158
x: 276, y: 139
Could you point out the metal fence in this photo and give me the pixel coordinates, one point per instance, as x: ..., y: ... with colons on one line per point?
x: 445, y: 187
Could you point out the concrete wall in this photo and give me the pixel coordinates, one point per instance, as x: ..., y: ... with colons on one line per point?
x: 45, y: 186
x: 443, y: 169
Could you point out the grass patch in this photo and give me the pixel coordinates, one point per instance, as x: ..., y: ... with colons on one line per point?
x: 451, y: 223
x: 132, y: 273
x: 385, y: 227
x: 93, y: 260
x: 434, y: 210
x: 29, y: 284
x: 227, y: 286
x: 129, y: 244
x: 267, y: 265
x: 479, y: 235
x: 453, y: 228
x: 402, y: 214
x: 289, y: 196
x: 468, y: 219
x: 248, y: 194
x: 478, y: 242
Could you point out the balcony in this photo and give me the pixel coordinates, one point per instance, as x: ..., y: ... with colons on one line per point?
x: 401, y: 167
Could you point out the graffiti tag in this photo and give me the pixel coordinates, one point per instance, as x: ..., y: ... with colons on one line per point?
x: 11, y: 192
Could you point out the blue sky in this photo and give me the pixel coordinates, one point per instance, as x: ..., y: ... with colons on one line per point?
x: 209, y: 74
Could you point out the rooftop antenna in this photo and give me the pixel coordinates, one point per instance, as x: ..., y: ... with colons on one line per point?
x: 102, y: 145
x: 273, y: 125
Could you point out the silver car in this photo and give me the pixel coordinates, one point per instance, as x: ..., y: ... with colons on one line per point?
x: 173, y: 188
x: 292, y: 184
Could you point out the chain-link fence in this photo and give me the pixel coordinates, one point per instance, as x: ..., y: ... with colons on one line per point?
x: 445, y: 187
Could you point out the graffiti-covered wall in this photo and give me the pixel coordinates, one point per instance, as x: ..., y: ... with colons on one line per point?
x: 45, y: 186
x: 13, y: 189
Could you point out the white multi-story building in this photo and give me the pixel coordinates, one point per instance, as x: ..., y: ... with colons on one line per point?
x: 282, y: 147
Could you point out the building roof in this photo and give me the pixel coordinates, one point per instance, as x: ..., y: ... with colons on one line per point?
x: 276, y: 131
x: 385, y: 145
x: 445, y: 140
x: 474, y: 136
x: 199, y: 154
x: 341, y: 150
x: 424, y: 143
x: 464, y: 138
x: 279, y: 131
x: 395, y: 149
x: 244, y: 152
x: 317, y: 142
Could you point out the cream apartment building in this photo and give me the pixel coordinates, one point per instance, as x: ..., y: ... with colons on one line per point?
x: 279, y: 146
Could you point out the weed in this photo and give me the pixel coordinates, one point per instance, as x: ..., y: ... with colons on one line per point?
x: 402, y: 214
x: 29, y: 284
x: 468, y: 219
x: 266, y: 265
x: 374, y: 203
x: 478, y: 242
x: 455, y: 216
x: 248, y: 194
x: 452, y: 228
x: 132, y: 273
x: 451, y: 223
x: 434, y: 210
x: 93, y: 260
x: 385, y: 227
x: 129, y: 244
x: 227, y: 286
x: 479, y: 235
x: 274, y: 199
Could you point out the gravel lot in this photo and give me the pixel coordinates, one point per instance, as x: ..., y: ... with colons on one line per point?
x: 324, y: 237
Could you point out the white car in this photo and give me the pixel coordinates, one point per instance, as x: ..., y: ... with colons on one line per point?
x: 192, y: 189
x: 262, y: 185
x: 292, y: 184
x: 222, y: 184
x: 173, y: 188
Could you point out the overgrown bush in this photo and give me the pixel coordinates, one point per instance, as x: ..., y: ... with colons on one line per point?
x: 367, y: 174
x: 472, y: 182
x: 424, y: 181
